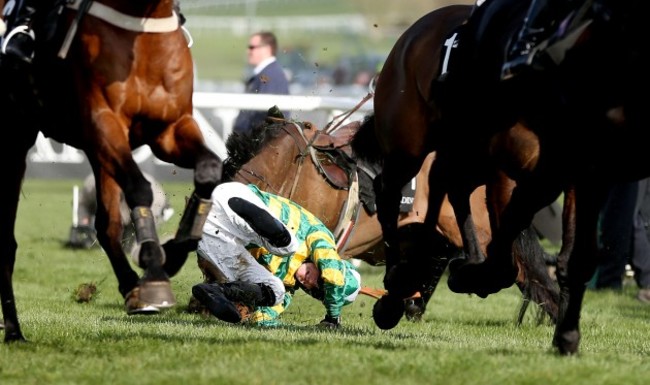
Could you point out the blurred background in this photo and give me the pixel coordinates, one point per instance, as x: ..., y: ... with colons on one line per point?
x: 330, y: 49
x: 326, y: 46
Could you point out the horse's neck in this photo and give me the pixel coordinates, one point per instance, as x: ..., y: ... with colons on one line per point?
x: 275, y: 167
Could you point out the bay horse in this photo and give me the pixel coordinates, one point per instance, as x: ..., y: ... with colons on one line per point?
x: 589, y: 132
x: 402, y: 132
x: 124, y: 81
x: 298, y: 161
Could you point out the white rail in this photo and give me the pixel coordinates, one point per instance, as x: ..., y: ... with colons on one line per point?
x: 215, y: 113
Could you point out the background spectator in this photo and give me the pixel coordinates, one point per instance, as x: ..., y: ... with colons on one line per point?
x: 625, y: 238
x: 268, y: 78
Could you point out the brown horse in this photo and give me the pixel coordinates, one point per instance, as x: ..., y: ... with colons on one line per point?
x: 587, y: 132
x: 126, y: 81
x: 299, y: 161
x: 402, y: 132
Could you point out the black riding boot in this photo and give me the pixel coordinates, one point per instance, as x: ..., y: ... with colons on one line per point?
x: 212, y: 296
x: 537, y: 24
x: 249, y: 294
x: 220, y: 299
x: 20, y: 41
x: 261, y: 222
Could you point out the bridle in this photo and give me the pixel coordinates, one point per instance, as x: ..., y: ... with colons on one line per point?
x: 305, y: 148
x: 309, y: 148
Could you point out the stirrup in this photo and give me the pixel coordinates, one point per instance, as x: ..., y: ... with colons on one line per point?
x: 516, y: 66
x: 525, y: 61
x: 16, y: 50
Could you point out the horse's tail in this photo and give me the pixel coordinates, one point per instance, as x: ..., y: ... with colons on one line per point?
x: 364, y: 143
x: 536, y: 284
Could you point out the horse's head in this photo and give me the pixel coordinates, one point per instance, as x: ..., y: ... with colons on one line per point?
x: 244, y: 147
x: 293, y: 160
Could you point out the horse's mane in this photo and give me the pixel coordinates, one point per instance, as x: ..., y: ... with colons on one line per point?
x: 241, y: 148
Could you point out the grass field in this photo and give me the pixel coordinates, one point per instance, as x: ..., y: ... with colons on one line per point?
x: 462, y: 339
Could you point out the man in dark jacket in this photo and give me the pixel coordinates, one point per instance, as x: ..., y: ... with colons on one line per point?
x: 268, y: 78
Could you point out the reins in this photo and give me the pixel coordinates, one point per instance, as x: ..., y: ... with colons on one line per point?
x: 303, y: 152
x: 350, y: 211
x: 331, y: 127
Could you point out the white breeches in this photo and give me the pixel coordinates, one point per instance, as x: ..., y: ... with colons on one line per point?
x: 232, y: 259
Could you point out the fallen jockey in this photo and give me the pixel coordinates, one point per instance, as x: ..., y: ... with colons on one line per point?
x: 259, y: 248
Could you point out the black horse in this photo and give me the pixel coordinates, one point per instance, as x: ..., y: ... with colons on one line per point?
x: 400, y: 134
x: 585, y: 113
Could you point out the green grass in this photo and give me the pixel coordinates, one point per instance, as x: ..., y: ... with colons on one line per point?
x: 462, y: 339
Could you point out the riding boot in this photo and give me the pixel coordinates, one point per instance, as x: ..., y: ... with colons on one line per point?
x: 212, y: 296
x: 249, y: 294
x: 535, y: 29
x: 261, y: 222
x: 20, y: 40
x: 225, y: 300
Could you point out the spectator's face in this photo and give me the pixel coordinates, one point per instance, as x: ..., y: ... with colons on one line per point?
x: 307, y: 275
x: 257, y: 50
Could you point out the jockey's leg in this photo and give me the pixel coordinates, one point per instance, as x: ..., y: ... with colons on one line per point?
x: 538, y: 25
x: 19, y: 41
x: 261, y: 221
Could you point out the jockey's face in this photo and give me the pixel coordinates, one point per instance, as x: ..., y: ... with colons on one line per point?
x: 307, y: 275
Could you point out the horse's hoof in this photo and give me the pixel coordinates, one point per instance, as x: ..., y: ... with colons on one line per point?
x: 157, y: 293
x: 413, y: 309
x: 134, y: 305
x: 567, y: 343
x: 16, y: 338
x: 456, y: 263
x: 387, y: 312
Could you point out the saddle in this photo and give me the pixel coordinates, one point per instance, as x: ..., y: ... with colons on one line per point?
x: 333, y: 155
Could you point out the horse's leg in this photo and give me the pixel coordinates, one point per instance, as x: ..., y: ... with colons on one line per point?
x: 574, y: 274
x: 442, y: 183
x: 534, y: 280
x: 568, y: 243
x: 112, y: 153
x: 429, y: 255
x: 430, y: 250
x: 12, y: 176
x: 535, y: 283
x: 14, y: 157
x: 499, y: 270
x: 108, y: 222
x: 388, y: 188
x: 182, y: 144
x: 459, y: 199
x: 419, y: 271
